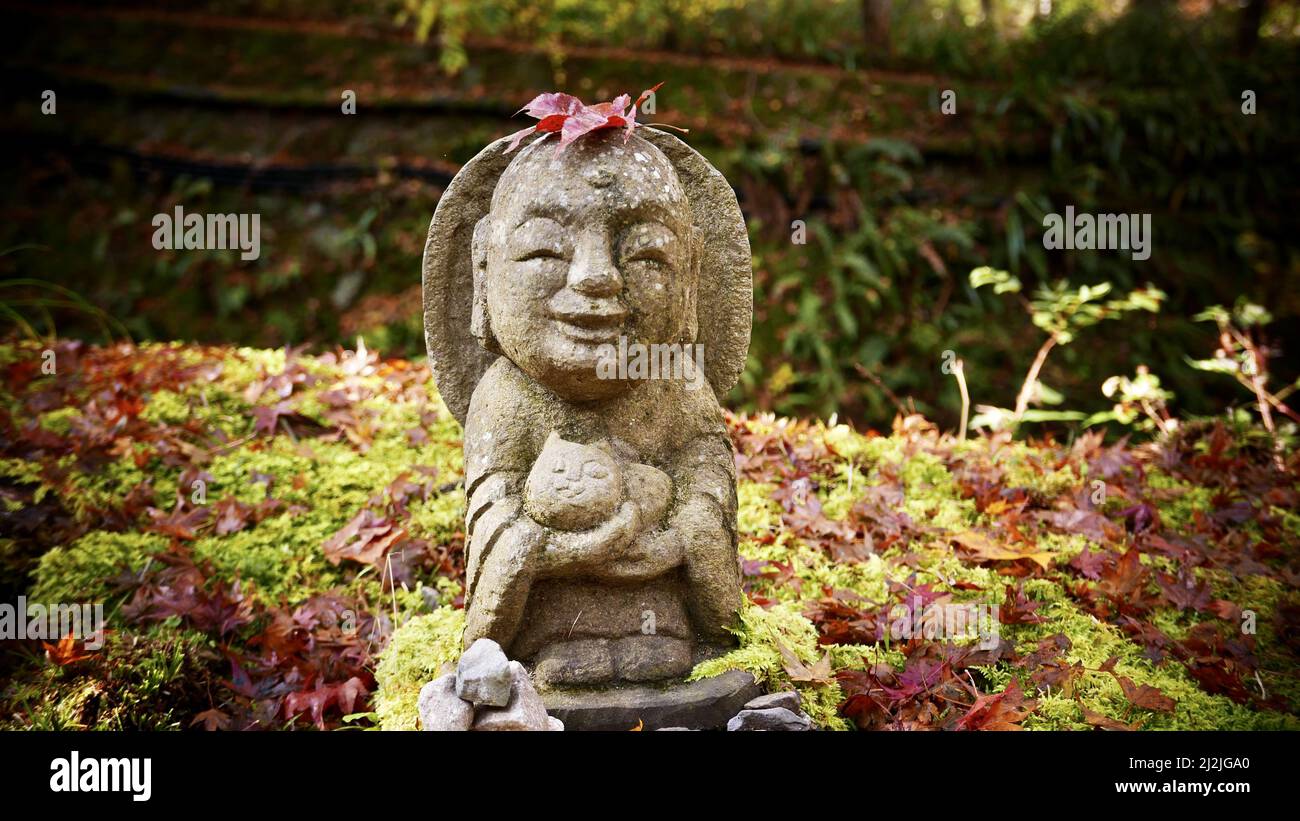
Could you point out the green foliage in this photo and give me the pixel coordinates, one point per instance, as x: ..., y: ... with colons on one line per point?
x: 415, y: 656
x: 765, y: 636
x: 141, y: 681
x: 1063, y: 311
x: 1092, y: 106
x: 1141, y: 396
x: 166, y: 674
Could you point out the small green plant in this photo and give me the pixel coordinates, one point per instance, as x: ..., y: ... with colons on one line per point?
x: 23, y: 294
x: 1139, y: 402
x: 1244, y: 352
x: 1061, y: 311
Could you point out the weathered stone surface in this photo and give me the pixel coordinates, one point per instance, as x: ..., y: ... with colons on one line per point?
x: 725, y: 297
x: 563, y: 610
x: 651, y: 658
x: 773, y: 718
x: 789, y: 699
x: 483, y: 675
x: 601, y: 493
x: 441, y: 709
x: 696, y: 705
x: 586, y: 661
x: 524, y: 712
x: 555, y: 725
x: 572, y: 486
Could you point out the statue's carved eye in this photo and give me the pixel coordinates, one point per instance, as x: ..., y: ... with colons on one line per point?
x: 595, y: 470
x: 654, y: 256
x: 648, y: 242
x: 539, y: 253
x: 538, y: 238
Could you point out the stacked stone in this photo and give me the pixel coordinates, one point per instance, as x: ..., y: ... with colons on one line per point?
x: 774, y: 711
x: 487, y: 692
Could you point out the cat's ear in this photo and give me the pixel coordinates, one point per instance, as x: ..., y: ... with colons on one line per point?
x: 553, y: 439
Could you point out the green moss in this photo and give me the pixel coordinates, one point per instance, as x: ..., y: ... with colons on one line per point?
x: 84, y: 570
x: 1023, y: 468
x: 762, y: 633
x: 281, y: 556
x: 1093, y: 642
x: 208, y: 407
x: 1263, y: 597
x: 931, y: 494
x: 415, y: 654
x: 24, y: 472
x: 438, y: 517
x: 328, y: 479
x: 758, y: 512
x: 1178, y: 501
x: 850, y: 444
x: 60, y: 420
x: 88, y: 495
x: 156, y: 679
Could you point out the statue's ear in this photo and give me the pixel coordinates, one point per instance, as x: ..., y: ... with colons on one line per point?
x: 479, y: 323
x: 691, y: 329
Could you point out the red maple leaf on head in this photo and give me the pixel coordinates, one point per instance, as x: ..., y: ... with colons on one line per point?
x: 572, y: 118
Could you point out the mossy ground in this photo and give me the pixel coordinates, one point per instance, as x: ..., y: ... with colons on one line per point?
x: 227, y: 610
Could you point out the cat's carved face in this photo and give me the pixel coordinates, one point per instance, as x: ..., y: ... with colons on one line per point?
x: 572, y: 486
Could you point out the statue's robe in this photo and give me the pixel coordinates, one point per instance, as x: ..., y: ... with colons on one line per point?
x: 659, y: 423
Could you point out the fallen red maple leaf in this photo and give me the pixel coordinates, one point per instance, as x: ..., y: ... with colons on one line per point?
x: 344, y: 695
x: 1145, y: 696
x: 212, y: 719
x: 572, y: 118
x: 366, y: 539
x: 66, y: 651
x: 998, y: 711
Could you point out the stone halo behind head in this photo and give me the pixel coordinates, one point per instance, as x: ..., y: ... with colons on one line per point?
x: 724, y: 300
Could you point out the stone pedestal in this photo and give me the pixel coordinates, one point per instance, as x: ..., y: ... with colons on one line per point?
x: 696, y: 705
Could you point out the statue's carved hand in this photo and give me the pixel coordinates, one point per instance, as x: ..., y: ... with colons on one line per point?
x: 568, y: 553
x: 648, y: 556
x: 652, y: 489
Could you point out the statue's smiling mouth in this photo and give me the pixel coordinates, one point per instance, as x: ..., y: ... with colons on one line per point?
x: 602, y: 323
x: 570, y: 491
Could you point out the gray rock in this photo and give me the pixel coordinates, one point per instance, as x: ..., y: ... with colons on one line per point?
x: 773, y: 718
x: 524, y: 712
x: 483, y: 675
x: 674, y: 730
x: 789, y: 699
x: 441, y: 709
x: 555, y: 725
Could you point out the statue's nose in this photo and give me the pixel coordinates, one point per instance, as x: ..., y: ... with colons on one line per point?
x: 593, y: 273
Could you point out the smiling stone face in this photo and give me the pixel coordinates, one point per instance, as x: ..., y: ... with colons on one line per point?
x: 582, y: 247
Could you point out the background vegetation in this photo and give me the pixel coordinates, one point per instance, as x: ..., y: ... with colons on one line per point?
x: 271, y: 511
x: 811, y: 109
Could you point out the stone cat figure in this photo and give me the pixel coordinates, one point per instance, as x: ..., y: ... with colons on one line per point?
x: 577, y: 487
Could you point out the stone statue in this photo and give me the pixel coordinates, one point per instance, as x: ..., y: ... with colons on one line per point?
x: 601, y: 501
